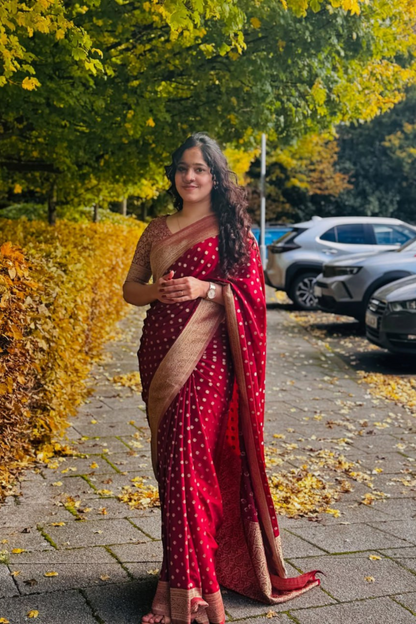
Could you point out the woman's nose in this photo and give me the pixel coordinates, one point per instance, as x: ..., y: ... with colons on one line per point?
x: 189, y: 175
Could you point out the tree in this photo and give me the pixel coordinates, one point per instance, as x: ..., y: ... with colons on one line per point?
x: 380, y: 159
x: 301, y: 179
x: 170, y: 69
x: 21, y: 22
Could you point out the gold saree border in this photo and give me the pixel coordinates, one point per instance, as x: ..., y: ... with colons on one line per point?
x: 177, y: 604
x: 233, y: 332
x: 166, y: 251
x: 178, y: 364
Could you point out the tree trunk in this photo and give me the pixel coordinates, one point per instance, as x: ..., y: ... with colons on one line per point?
x: 52, y: 204
x: 123, y: 206
x: 95, y: 213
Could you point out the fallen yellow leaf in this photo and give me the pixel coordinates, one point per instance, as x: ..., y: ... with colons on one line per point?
x: 94, y: 465
x: 369, y: 579
x: 57, y: 483
x: 4, y: 621
x: 58, y: 523
x: 17, y: 551
x: 51, y: 574
x: 105, y: 577
x: 374, y: 557
x: 33, y: 613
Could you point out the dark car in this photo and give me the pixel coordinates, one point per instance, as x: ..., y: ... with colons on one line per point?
x: 390, y: 319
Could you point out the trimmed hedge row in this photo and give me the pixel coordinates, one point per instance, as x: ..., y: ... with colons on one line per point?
x: 60, y: 296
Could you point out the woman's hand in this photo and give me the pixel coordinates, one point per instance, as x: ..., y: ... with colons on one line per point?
x: 182, y: 289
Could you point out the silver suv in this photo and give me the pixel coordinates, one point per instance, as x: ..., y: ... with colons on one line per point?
x: 347, y: 285
x: 296, y: 258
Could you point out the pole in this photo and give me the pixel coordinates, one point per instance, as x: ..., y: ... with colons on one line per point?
x: 263, y: 251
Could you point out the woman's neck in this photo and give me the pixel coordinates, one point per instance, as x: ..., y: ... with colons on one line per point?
x: 194, y: 212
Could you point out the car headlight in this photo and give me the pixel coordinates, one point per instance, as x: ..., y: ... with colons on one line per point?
x: 335, y: 271
x: 397, y: 306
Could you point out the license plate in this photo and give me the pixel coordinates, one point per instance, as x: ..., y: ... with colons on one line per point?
x: 371, y: 320
x: 317, y: 291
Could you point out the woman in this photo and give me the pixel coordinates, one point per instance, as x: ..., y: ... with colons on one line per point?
x: 202, y: 364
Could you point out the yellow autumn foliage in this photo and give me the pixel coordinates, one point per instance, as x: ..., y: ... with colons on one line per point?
x: 60, y: 296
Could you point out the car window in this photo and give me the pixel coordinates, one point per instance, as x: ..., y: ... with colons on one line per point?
x: 392, y: 234
x: 330, y: 235
x: 353, y: 234
x: 409, y: 246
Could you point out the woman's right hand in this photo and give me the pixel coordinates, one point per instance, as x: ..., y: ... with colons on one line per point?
x: 160, y: 294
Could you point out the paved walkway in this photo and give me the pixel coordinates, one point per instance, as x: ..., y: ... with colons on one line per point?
x: 104, y: 556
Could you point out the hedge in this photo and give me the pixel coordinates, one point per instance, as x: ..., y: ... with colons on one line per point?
x: 60, y: 296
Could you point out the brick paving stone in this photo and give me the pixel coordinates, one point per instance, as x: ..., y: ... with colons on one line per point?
x: 408, y: 601
x: 122, y: 603
x: 239, y: 607
x: 149, y: 551
x: 72, y: 486
x: 93, y: 532
x: 354, y: 513
x: 296, y: 547
x: 404, y: 529
x: 28, y: 538
x: 31, y: 579
x: 115, y: 403
x: 97, y: 445
x: 345, y: 576
x: 281, y: 618
x: 54, y: 608
x: 391, y: 463
x: 7, y: 584
x: 336, y: 539
x: 105, y: 428
x: 80, y: 466
x: 125, y: 462
x: 93, y: 554
x: 101, y: 508
x: 374, y: 611
x: 28, y: 514
x: 150, y: 524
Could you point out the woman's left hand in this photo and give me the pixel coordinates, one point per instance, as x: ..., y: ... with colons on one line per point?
x: 184, y: 289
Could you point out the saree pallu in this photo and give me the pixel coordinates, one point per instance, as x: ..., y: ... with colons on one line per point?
x: 202, y: 367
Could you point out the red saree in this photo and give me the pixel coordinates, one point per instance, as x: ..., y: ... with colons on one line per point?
x: 203, y: 372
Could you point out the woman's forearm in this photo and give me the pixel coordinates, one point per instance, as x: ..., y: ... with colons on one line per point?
x: 139, y: 294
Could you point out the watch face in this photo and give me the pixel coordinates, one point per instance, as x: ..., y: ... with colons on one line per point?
x: 211, y: 292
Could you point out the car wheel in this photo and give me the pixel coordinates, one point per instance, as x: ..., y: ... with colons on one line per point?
x: 301, y: 291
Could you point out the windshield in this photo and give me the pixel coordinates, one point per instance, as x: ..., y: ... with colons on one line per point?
x: 409, y: 246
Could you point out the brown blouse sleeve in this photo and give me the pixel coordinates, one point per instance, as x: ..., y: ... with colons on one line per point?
x: 140, y: 270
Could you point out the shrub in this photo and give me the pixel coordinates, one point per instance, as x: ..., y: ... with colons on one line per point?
x: 60, y: 296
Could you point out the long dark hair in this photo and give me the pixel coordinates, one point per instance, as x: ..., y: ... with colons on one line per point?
x: 228, y: 200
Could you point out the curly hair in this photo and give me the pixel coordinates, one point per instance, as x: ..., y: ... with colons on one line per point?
x: 228, y: 201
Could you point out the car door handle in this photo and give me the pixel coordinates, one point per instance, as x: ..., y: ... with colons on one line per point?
x: 331, y: 251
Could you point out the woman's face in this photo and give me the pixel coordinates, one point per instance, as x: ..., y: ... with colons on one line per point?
x: 193, y: 178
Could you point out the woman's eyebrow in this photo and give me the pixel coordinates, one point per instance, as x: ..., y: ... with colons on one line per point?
x: 194, y: 164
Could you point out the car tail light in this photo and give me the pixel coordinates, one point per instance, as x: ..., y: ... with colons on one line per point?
x: 286, y: 242
x: 283, y: 247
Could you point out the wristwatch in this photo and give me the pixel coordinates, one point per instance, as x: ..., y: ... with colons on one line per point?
x: 211, y: 291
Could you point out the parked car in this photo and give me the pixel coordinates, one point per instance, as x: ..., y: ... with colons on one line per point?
x: 272, y: 233
x: 391, y: 316
x: 347, y: 285
x: 296, y: 258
